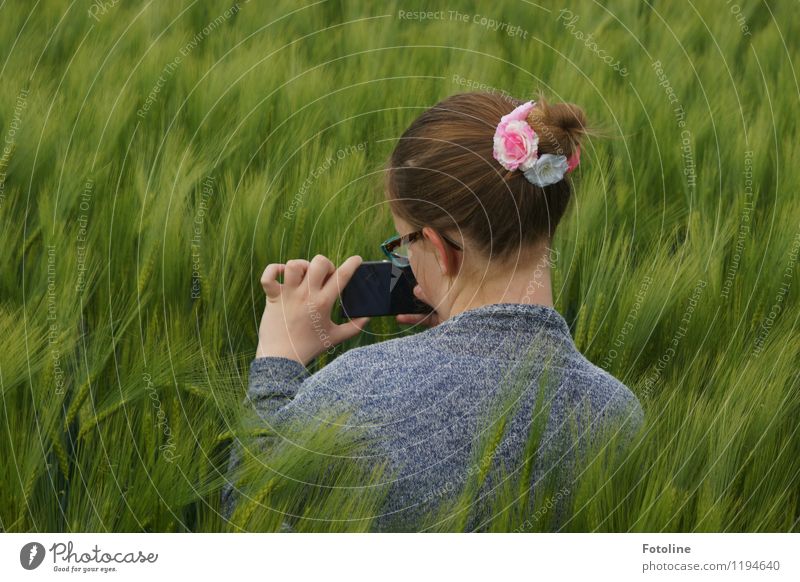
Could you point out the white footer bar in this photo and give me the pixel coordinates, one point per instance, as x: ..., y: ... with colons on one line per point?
x: 353, y: 557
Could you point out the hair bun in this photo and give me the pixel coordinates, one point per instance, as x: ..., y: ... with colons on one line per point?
x: 560, y: 126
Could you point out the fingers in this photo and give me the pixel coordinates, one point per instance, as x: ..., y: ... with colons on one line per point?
x: 269, y: 279
x: 411, y: 318
x: 295, y: 271
x: 347, y: 330
x: 317, y: 273
x: 320, y: 269
x: 429, y: 319
x: 342, y: 276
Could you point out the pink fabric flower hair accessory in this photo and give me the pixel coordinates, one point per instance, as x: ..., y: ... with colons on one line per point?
x: 516, y: 147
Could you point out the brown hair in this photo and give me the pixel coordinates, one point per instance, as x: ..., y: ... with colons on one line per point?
x: 442, y: 173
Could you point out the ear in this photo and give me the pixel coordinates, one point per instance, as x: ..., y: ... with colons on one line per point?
x: 445, y: 254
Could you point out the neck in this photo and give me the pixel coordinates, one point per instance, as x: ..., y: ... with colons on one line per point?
x: 528, y: 284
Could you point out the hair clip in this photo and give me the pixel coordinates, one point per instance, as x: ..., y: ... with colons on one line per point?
x: 516, y: 147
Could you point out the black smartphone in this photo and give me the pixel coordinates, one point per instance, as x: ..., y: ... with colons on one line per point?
x: 381, y: 288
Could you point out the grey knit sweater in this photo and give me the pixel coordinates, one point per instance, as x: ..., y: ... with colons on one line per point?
x: 425, y: 399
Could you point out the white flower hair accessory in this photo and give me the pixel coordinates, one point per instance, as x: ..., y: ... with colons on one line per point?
x: 516, y: 146
x: 547, y: 169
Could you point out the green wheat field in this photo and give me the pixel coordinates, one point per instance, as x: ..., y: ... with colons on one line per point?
x: 155, y: 156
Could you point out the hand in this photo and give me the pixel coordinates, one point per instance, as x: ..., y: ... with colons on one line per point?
x: 297, y: 317
x: 430, y: 319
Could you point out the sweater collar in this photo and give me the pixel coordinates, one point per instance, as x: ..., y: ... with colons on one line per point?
x: 494, y: 323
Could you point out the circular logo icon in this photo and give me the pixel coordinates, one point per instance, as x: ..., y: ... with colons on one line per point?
x: 31, y: 555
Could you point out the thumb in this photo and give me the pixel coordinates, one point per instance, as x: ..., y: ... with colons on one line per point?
x: 351, y: 328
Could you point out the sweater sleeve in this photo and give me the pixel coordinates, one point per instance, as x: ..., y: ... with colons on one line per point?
x: 285, y: 396
x: 273, y: 383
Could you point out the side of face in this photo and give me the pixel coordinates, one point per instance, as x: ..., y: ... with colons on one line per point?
x: 432, y: 262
